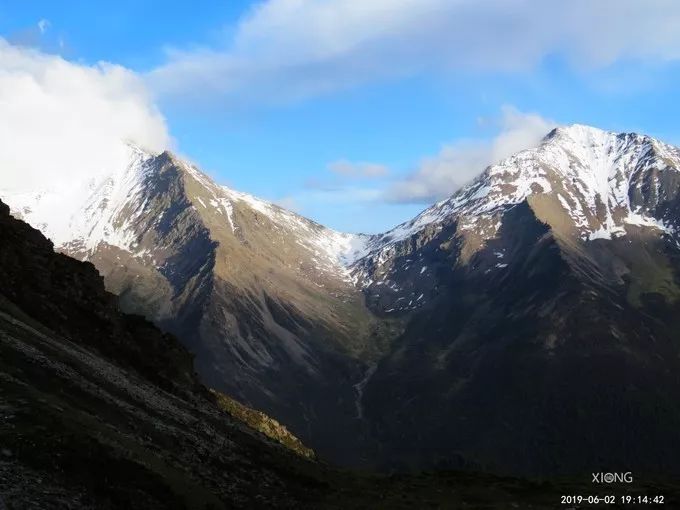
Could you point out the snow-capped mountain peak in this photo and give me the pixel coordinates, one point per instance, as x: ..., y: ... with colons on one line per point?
x: 603, y: 181
x: 115, y: 210
x: 586, y: 183
x: 600, y: 178
x: 98, y: 210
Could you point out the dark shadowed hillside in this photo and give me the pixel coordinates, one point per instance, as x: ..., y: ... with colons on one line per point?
x: 101, y: 410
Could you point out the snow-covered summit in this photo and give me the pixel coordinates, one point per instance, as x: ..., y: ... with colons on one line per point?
x: 81, y: 216
x: 99, y: 209
x: 601, y: 179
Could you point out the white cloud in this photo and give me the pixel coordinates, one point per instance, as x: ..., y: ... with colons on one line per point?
x: 355, y: 202
x: 288, y: 49
x: 61, y: 121
x: 359, y: 170
x: 43, y: 25
x: 457, y: 163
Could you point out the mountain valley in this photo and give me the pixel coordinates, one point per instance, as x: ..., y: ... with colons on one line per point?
x: 528, y: 324
x: 102, y: 410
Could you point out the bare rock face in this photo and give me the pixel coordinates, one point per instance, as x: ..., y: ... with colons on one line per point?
x: 472, y: 335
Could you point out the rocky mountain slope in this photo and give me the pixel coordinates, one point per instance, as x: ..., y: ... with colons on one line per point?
x: 542, y: 305
x: 526, y: 324
x: 101, y: 410
x: 585, y: 183
x: 261, y: 296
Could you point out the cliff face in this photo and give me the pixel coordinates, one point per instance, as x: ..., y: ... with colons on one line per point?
x: 68, y: 297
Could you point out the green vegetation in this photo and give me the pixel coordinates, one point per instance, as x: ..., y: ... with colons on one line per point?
x: 262, y: 423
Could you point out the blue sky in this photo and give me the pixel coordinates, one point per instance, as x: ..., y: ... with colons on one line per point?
x: 271, y: 97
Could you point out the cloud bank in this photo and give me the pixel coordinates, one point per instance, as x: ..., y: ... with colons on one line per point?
x: 437, y: 177
x: 61, y: 121
x: 285, y: 50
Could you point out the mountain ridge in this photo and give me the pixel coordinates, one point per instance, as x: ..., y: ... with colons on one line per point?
x: 365, y: 335
x: 174, y: 247
x: 556, y: 178
x: 86, y: 425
